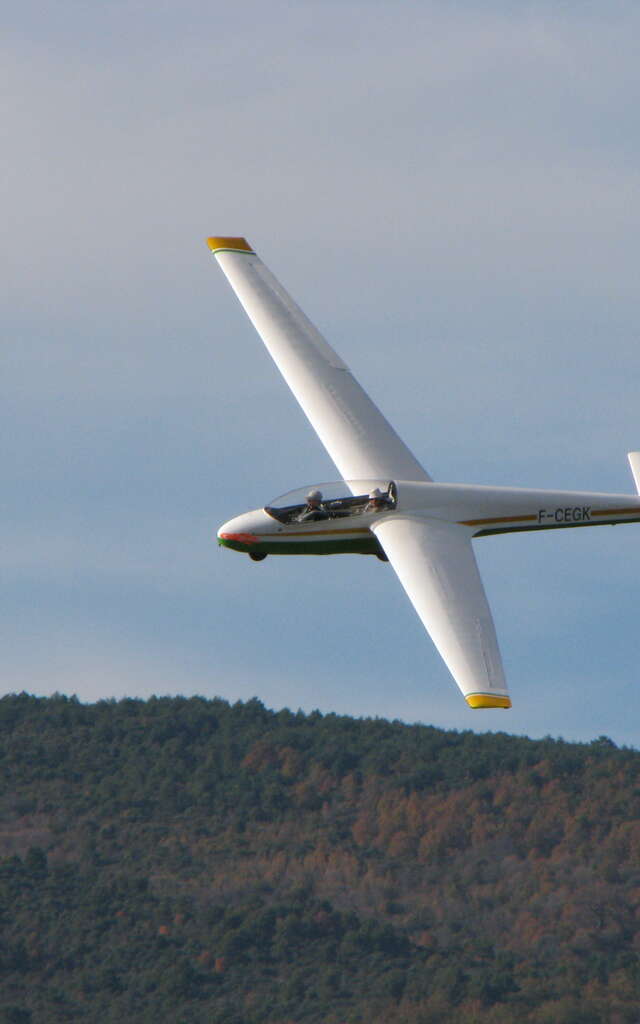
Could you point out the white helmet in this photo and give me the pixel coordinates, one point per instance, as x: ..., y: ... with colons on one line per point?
x: 375, y: 494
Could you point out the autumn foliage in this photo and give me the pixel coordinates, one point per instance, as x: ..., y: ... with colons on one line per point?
x: 188, y: 860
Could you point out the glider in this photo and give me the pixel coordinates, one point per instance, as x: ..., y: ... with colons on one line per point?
x: 386, y: 504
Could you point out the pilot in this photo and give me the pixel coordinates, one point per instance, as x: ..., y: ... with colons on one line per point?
x: 314, y: 510
x: 377, y: 501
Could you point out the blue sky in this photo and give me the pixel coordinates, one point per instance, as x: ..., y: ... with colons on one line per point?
x: 451, y: 193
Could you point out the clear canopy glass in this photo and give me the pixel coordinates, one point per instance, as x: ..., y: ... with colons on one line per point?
x: 340, y: 499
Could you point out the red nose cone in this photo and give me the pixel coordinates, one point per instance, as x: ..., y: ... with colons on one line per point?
x: 240, y: 538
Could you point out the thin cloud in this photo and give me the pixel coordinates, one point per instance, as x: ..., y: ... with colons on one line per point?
x: 452, y: 195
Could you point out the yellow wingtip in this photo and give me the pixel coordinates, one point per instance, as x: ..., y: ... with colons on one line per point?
x: 229, y: 244
x: 487, y: 700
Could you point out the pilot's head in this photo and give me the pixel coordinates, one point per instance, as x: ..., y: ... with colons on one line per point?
x: 314, y: 498
x: 376, y: 498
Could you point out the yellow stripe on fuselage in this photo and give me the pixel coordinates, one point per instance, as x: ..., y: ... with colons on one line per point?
x: 559, y: 523
x: 634, y: 510
x: 313, y: 533
x: 502, y: 519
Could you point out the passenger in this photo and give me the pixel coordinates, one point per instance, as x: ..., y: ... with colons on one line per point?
x: 377, y: 501
x: 314, y: 510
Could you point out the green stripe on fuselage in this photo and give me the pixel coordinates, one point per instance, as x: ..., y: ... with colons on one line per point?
x: 363, y: 545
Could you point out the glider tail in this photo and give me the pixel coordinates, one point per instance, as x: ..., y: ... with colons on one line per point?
x: 634, y: 462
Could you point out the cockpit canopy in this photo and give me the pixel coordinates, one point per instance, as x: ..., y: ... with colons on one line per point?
x: 342, y: 499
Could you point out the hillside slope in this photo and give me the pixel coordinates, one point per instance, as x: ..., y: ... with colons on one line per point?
x: 188, y: 860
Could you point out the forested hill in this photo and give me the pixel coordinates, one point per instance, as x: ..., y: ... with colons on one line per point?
x: 190, y: 861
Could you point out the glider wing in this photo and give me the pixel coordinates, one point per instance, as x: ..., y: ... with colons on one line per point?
x: 436, y: 565
x: 358, y: 438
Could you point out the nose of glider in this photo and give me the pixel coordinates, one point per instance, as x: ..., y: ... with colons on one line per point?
x: 244, y: 532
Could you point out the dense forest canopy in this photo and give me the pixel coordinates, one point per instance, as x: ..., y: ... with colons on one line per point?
x: 189, y: 860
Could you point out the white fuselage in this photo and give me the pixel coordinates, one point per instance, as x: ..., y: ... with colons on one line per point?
x: 482, y: 510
